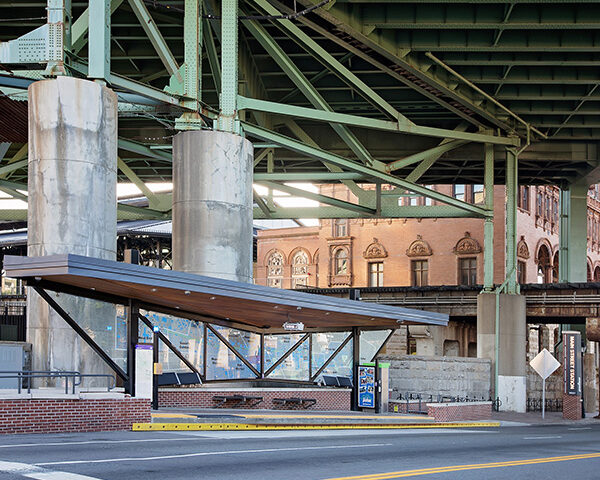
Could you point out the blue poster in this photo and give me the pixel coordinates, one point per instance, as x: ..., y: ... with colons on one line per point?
x: 366, y: 386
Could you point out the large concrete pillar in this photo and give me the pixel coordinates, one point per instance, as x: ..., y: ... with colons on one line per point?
x: 510, y: 367
x: 572, y: 263
x: 71, y: 209
x: 212, y: 204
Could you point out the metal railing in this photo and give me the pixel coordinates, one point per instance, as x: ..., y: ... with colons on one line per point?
x: 72, y: 378
x: 535, y: 405
x: 421, y: 400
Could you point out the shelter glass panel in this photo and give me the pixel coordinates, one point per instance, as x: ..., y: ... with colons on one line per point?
x: 295, y: 366
x: 221, y: 362
x: 247, y: 344
x: 104, y: 322
x: 323, y: 346
x: 186, y: 335
x: 370, y: 343
x: 341, y: 365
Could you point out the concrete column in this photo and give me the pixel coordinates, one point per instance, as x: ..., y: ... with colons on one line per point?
x: 71, y: 209
x: 212, y: 204
x: 572, y: 263
x: 507, y: 351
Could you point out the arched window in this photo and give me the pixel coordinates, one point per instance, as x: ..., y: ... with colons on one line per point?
x: 275, y: 270
x: 597, y: 274
x: 555, y: 268
x: 340, y: 264
x: 340, y: 227
x: 299, y: 269
x: 544, y: 267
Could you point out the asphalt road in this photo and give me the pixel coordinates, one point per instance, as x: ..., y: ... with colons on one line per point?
x: 540, y: 452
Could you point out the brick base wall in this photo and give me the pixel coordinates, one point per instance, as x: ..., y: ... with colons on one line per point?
x: 71, y: 415
x: 327, y: 399
x: 572, y: 407
x: 452, y: 412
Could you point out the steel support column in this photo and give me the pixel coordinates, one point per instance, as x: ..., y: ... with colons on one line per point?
x: 99, y: 40
x: 488, y: 226
x: 511, y: 220
x: 227, y: 121
x: 572, y: 262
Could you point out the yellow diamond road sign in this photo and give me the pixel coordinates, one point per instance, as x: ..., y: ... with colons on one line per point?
x: 544, y: 364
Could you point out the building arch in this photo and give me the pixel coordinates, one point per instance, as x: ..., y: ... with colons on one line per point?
x: 523, y: 248
x: 299, y: 260
x: 309, y: 257
x: 419, y: 248
x: 590, y: 270
x: 543, y: 260
x: 467, y: 246
x: 375, y: 250
x: 274, y: 262
x: 340, y: 261
x: 555, y: 265
x: 597, y: 273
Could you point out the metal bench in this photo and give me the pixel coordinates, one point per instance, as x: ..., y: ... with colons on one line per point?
x: 252, y: 401
x: 179, y: 378
x: 302, y: 402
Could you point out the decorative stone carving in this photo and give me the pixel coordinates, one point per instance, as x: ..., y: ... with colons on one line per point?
x: 522, y: 248
x: 375, y: 250
x: 419, y: 248
x: 467, y: 246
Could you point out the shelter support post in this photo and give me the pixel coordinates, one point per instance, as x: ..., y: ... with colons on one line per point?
x: 155, y: 359
x: 132, y: 340
x: 355, y: 363
x: 488, y: 226
x: 572, y: 262
x: 212, y: 204
x: 71, y: 207
x: 227, y: 120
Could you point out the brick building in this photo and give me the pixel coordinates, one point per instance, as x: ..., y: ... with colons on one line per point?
x: 428, y: 251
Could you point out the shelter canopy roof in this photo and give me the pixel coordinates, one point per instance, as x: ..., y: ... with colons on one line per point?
x: 225, y: 302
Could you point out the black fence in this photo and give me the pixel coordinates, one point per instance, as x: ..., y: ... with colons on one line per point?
x: 535, y: 405
x: 416, y: 402
x: 13, y: 319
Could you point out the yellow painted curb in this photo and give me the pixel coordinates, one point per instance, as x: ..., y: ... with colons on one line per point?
x: 248, y: 426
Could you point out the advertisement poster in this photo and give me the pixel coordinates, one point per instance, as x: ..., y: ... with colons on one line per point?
x: 366, y: 386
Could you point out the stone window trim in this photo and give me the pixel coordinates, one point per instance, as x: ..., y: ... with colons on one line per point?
x: 375, y: 250
x: 299, y: 261
x: 467, y: 246
x: 335, y: 277
x: 275, y: 262
x: 419, y: 248
x: 522, y: 248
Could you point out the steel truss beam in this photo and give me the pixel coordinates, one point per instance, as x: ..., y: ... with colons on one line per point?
x: 435, y: 211
x: 345, y: 163
x: 365, y: 122
x: 309, y: 91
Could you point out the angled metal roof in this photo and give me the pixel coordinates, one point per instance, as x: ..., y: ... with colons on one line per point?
x: 223, y: 301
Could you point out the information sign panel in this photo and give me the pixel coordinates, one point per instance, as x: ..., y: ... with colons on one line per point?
x: 366, y: 386
x: 572, y: 362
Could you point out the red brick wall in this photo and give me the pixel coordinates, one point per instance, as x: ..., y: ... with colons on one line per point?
x: 327, y: 399
x: 572, y: 407
x: 451, y: 412
x: 66, y: 415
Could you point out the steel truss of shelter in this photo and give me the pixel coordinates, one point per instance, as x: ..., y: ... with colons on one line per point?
x: 134, y: 317
x: 254, y: 27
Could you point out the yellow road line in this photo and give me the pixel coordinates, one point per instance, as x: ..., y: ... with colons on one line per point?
x: 249, y: 426
x: 458, y: 468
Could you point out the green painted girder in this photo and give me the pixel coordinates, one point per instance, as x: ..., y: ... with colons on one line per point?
x: 156, y: 38
x: 298, y: 192
x: 229, y: 66
x: 330, y: 61
x: 80, y: 27
x: 435, y: 211
x: 99, y: 39
x: 301, y: 82
x: 135, y: 147
x: 211, y: 53
x: 347, y: 164
x: 424, y: 155
x: 308, y: 177
x: 392, y: 49
x: 385, y: 125
x: 11, y: 167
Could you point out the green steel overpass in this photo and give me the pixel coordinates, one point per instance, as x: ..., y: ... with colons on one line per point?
x: 379, y: 92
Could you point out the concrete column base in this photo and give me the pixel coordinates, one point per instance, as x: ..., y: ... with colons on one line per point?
x: 512, y: 392
x: 512, y: 371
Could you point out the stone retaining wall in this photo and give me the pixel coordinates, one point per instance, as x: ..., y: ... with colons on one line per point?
x: 447, y: 376
x: 71, y: 415
x: 452, y: 412
x: 327, y: 398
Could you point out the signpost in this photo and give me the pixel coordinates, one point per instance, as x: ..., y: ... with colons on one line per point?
x: 545, y: 365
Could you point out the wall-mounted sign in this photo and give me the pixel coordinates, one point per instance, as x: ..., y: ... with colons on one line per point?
x: 572, y: 362
x: 366, y: 386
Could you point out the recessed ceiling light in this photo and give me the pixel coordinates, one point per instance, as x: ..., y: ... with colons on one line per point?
x: 298, y: 308
x: 153, y: 289
x: 187, y: 292
x: 212, y: 298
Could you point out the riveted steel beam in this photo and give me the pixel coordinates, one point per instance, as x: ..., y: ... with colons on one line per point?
x: 345, y: 163
x: 365, y: 122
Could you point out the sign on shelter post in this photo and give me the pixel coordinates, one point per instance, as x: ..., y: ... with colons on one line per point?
x: 545, y: 365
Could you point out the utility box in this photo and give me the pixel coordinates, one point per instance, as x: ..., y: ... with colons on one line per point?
x: 383, y: 387
x: 14, y: 357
